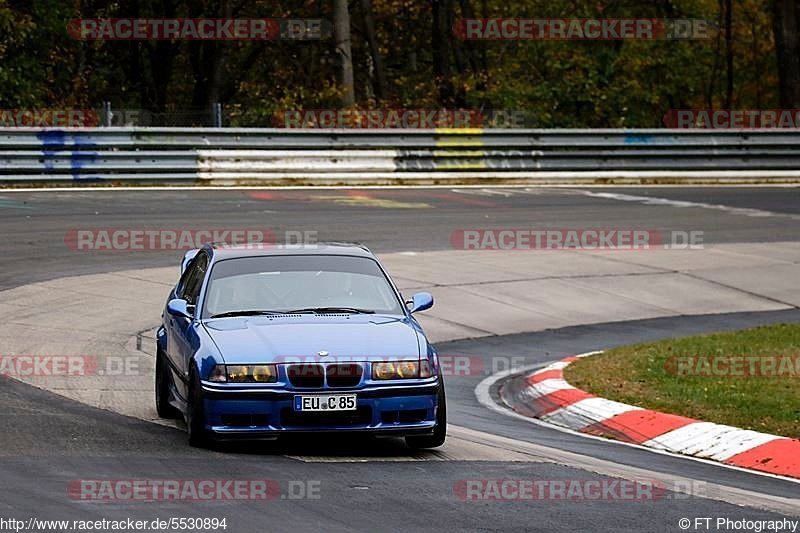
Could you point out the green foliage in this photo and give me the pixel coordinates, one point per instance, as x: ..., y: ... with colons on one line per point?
x: 555, y: 83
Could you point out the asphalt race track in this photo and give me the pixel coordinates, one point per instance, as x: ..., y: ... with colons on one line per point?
x: 49, y: 442
x: 34, y: 224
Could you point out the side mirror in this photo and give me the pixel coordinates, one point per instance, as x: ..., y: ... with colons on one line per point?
x: 178, y: 308
x: 421, y: 301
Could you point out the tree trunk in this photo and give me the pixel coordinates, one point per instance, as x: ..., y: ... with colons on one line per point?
x: 729, y: 53
x: 441, y: 53
x: 472, y: 49
x: 207, y: 59
x: 341, y: 30
x: 161, y: 58
x: 787, y: 47
x: 377, y: 59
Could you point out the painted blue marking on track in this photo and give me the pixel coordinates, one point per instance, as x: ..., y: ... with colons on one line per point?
x: 633, y: 138
x: 8, y: 203
x: 81, y: 153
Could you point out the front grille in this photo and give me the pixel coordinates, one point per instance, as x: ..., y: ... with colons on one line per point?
x: 344, y: 375
x: 360, y: 417
x: 306, y: 375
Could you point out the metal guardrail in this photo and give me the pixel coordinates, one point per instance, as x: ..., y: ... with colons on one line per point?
x: 333, y: 156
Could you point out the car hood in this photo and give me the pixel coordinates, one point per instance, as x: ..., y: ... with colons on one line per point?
x: 350, y: 338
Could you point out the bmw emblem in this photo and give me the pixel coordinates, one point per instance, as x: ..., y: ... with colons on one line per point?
x: 323, y: 354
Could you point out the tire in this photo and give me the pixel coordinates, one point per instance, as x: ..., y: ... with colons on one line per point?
x: 439, y: 430
x: 163, y: 407
x: 195, y: 415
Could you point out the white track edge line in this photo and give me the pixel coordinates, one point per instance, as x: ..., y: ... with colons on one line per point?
x: 356, y: 186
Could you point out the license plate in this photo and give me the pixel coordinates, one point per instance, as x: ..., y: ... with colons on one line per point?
x: 320, y: 402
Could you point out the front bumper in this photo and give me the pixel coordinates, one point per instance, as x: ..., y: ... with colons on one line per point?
x: 399, y: 410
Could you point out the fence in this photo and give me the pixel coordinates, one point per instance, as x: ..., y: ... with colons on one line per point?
x: 255, y: 156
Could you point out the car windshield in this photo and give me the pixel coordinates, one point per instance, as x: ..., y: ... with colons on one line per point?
x: 299, y: 283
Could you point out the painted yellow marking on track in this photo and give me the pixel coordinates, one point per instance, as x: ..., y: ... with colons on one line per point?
x: 460, y: 137
x: 455, y: 141
x: 368, y: 201
x: 462, y: 165
x: 459, y: 131
x: 458, y: 158
x: 458, y: 153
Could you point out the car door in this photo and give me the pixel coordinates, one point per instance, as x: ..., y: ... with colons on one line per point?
x: 182, y: 338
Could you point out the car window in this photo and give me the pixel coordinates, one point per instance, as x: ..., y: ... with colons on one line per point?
x: 194, y: 281
x: 181, y: 288
x: 299, y: 282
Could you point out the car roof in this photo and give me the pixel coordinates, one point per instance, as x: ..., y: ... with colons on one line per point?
x: 220, y: 251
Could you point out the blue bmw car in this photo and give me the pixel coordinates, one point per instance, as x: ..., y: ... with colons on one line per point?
x: 261, y: 341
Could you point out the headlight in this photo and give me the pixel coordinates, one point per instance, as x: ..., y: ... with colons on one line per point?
x: 218, y: 374
x: 237, y: 373
x: 397, y: 370
x: 264, y: 374
x: 244, y: 374
x: 425, y: 369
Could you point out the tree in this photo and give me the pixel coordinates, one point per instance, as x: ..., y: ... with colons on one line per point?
x: 374, y: 49
x: 786, y: 19
x: 341, y: 31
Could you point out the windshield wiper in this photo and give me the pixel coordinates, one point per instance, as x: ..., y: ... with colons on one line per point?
x: 247, y: 313
x: 324, y: 310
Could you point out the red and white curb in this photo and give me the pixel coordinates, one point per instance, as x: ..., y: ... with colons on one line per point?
x: 546, y: 395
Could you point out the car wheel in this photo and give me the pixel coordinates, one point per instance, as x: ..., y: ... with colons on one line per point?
x: 195, y: 415
x: 439, y: 430
x: 163, y: 407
